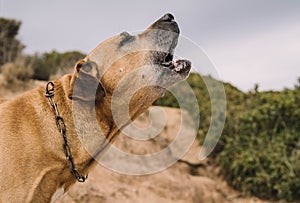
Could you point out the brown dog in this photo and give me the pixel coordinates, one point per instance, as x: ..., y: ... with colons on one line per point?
x: 123, y: 72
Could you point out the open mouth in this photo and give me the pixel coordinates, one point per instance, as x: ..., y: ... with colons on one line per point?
x: 179, y: 66
x: 165, y: 35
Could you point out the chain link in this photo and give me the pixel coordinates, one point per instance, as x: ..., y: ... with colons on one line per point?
x: 60, y: 123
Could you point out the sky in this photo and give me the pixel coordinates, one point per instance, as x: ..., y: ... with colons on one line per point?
x: 248, y: 42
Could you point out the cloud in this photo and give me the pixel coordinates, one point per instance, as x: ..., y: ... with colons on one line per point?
x: 268, y: 57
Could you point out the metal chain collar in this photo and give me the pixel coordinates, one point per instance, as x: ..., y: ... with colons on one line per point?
x: 62, y: 129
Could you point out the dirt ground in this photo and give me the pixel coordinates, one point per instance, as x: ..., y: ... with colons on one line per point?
x: 187, y: 181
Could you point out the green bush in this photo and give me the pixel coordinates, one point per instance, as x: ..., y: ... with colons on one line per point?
x: 10, y: 46
x: 261, y: 156
x: 259, y: 150
x: 54, y: 63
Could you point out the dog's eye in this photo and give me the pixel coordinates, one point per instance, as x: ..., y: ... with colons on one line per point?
x: 125, y: 34
x: 127, y: 38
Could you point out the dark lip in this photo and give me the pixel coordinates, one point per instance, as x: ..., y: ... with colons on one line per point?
x: 165, y: 59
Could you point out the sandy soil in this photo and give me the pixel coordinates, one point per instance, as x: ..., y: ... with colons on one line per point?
x: 187, y: 181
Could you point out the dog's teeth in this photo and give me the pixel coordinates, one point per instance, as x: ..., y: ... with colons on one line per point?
x: 167, y: 63
x: 179, y: 67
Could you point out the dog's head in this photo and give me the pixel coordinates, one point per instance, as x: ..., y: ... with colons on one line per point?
x: 140, y: 66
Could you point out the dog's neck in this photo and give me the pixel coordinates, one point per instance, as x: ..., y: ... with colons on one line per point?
x: 90, y: 126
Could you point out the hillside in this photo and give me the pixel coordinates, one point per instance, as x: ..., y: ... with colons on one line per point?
x: 187, y: 181
x: 259, y: 150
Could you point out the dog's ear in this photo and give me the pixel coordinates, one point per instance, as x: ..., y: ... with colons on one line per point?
x: 85, y: 84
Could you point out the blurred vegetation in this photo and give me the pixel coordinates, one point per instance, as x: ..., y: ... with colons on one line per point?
x: 53, y: 64
x: 16, y: 72
x: 261, y: 155
x: 259, y: 150
x: 16, y: 67
x: 10, y: 47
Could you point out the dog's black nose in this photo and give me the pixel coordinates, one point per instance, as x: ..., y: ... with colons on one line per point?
x: 167, y: 23
x: 168, y: 17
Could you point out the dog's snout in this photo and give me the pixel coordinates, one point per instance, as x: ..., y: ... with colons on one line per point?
x: 167, y: 23
x: 168, y: 18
